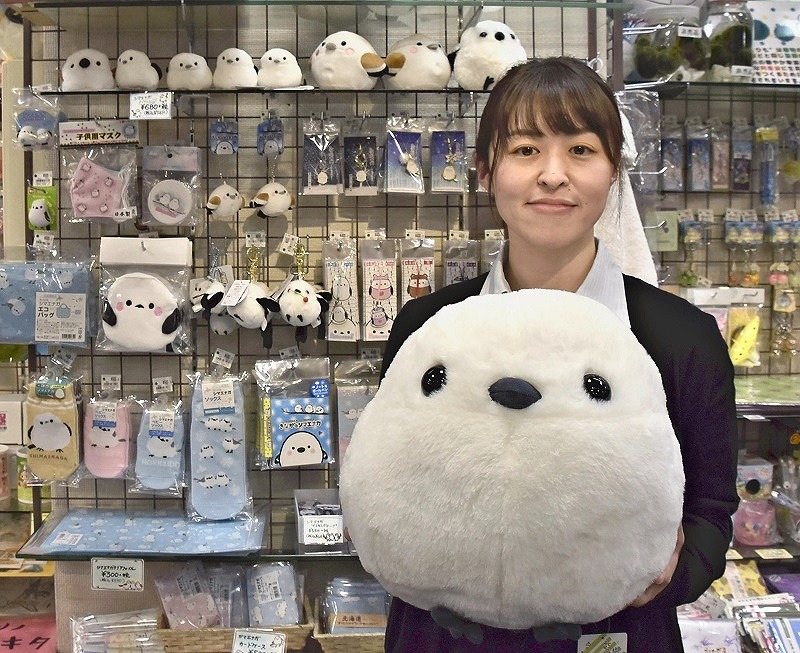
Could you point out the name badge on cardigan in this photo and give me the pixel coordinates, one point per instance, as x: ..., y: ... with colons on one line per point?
x: 603, y: 643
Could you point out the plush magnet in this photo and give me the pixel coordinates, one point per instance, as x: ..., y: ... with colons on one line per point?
x: 272, y: 199
x: 135, y: 71
x: 188, y: 72
x: 500, y: 487
x: 87, y: 70
x: 346, y: 61
x: 234, y: 69
x: 39, y: 214
x: 224, y: 201
x: 252, y: 311
x: 141, y: 313
x: 302, y: 306
x: 485, y: 52
x: 425, y: 65
x: 279, y: 69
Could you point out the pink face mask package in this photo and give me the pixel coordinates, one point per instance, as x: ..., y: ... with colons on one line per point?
x: 100, y: 160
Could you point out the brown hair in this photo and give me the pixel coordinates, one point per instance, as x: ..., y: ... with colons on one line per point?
x: 561, y: 94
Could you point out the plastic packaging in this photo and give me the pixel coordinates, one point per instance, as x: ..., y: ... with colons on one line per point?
x: 361, y: 163
x: 461, y: 260
x: 321, y: 158
x: 403, y: 156
x: 356, y: 383
x: 186, y: 597
x: 170, y: 185
x: 672, y: 154
x: 340, y: 270
x: 227, y: 584
x: 274, y: 594
x: 107, y: 436
x: 417, y: 273
x: 160, y: 463
x: 754, y: 524
x: 670, y: 44
x: 378, y: 290
x: 36, y: 120
x: 354, y: 606
x: 125, y: 631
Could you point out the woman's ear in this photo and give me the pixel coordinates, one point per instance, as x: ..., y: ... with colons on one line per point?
x: 484, y: 176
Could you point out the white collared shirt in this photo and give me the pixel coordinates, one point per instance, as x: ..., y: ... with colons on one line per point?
x: 603, y: 283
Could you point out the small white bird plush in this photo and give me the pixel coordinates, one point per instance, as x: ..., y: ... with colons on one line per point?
x: 425, y: 66
x: 235, y: 69
x: 87, y: 70
x: 500, y: 488
x: 279, y: 69
x: 224, y: 201
x: 39, y: 215
x: 485, y: 52
x: 136, y: 71
x: 188, y: 72
x: 346, y: 61
x: 272, y: 199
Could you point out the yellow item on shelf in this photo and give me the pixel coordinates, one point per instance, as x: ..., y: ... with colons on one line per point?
x: 743, y: 343
x: 741, y: 580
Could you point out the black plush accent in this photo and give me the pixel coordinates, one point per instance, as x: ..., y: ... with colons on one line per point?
x: 172, y: 322
x: 109, y: 316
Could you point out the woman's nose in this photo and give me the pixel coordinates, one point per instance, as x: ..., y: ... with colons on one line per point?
x: 553, y: 172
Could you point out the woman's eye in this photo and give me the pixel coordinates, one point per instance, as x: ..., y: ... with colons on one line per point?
x: 525, y: 150
x: 581, y: 150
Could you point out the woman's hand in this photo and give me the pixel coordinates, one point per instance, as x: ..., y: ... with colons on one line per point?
x: 664, y: 577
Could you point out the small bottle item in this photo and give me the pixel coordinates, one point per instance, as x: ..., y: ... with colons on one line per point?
x: 729, y: 29
x: 671, y: 45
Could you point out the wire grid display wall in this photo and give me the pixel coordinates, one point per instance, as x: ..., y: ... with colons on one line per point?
x: 162, y: 31
x: 714, y: 258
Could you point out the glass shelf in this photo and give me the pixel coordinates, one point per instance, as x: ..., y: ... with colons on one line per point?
x: 261, y: 91
x: 10, y: 504
x: 768, y: 395
x: 709, y: 90
x: 567, y: 4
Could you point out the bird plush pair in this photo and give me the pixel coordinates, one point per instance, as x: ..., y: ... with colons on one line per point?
x: 272, y: 199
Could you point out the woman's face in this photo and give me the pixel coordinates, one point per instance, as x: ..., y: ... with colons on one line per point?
x: 551, y: 189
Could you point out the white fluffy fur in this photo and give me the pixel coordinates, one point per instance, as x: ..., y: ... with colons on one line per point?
x: 188, y: 72
x: 480, y: 55
x: 564, y: 511
x: 135, y: 71
x: 336, y: 63
x: 87, y: 70
x: 234, y: 69
x: 426, y: 66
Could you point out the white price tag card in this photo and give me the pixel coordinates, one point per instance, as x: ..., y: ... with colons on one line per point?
x: 419, y: 234
x: 604, y: 643
x: 252, y: 640
x: 150, y: 106
x: 162, y: 384
x: 60, y: 317
x: 42, y: 178
x: 110, y: 382
x: 289, y: 352
x: 235, y: 292
x: 338, y: 235
x: 373, y: 234
x: 690, y: 32
x: 43, y: 241
x: 64, y: 357
x: 458, y: 234
x: 218, y: 397
x: 255, y: 239
x: 493, y: 234
x: 323, y: 529
x: 733, y: 554
x: 223, y: 358
x: 118, y: 574
x: 370, y: 353
x: 774, y: 554
x: 288, y: 244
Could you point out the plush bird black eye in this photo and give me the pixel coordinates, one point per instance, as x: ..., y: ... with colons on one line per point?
x: 434, y: 380
x: 597, y: 387
x: 128, y: 303
x: 483, y: 35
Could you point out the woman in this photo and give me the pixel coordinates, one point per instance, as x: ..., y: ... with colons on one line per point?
x: 548, y: 150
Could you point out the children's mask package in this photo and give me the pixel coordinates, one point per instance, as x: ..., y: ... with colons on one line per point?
x: 144, y: 289
x: 46, y: 301
x: 99, y: 158
x: 218, y: 488
x: 294, y: 413
x: 170, y: 185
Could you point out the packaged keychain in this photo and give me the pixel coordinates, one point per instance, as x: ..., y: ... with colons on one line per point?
x: 36, y: 120
x: 170, y: 185
x: 449, y: 164
x: 218, y: 488
x: 416, y: 268
x: 269, y: 136
x: 321, y: 157
x: 340, y: 270
x: 403, y: 156
x: 294, y: 412
x: 143, y: 290
x: 741, y: 154
x: 42, y: 208
x: 461, y: 259
x: 50, y: 422
x: 99, y: 159
x: 361, y: 168
x: 107, y: 435
x: 720, y: 154
x: 693, y: 236
x: 491, y: 248
x: 671, y: 154
x: 159, y: 467
x: 379, y: 281
x: 223, y: 137
x: 356, y: 382
x: 767, y: 138
x: 698, y: 145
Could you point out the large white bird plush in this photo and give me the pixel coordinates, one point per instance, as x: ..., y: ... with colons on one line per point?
x: 345, y: 60
x: 87, y: 70
x: 485, y: 52
x: 425, y: 65
x: 235, y: 69
x: 500, y: 487
x: 188, y: 72
x: 136, y: 71
x: 279, y: 69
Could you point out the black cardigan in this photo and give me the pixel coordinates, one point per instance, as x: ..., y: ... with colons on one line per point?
x: 697, y: 375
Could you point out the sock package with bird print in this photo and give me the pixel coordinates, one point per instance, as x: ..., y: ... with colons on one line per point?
x: 159, y: 467
x: 294, y: 413
x: 218, y: 487
x: 107, y: 436
x: 50, y: 415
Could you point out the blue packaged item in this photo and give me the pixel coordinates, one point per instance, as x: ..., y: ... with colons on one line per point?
x: 272, y: 594
x: 355, y: 606
x: 48, y: 302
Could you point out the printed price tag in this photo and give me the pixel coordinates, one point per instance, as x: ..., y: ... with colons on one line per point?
x: 493, y: 234
x: 458, y: 234
x: 370, y: 353
x: 415, y: 233
x: 689, y: 32
x: 235, y: 292
x: 288, y: 244
x: 110, y: 382
x: 64, y: 357
x: 267, y: 588
x: 373, y: 234
x: 606, y: 643
x: 733, y: 554
x: 67, y: 539
x: 338, y: 235
x: 60, y: 317
x: 217, y: 397
x: 251, y: 640
x: 744, y: 71
x: 223, y: 358
x: 289, y: 352
x: 118, y: 574
x: 162, y: 424
x: 104, y: 414
x: 323, y: 529
x: 43, y: 241
x: 162, y: 384
x: 255, y: 239
x: 42, y: 178
x: 150, y: 106
x: 774, y: 554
